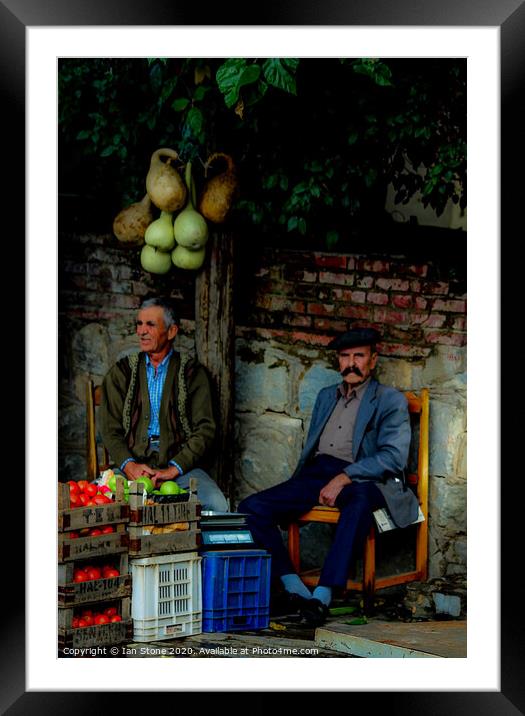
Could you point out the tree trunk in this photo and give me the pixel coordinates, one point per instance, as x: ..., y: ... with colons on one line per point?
x: 215, y: 345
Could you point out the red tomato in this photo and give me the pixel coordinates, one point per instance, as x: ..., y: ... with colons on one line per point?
x: 93, y: 573
x: 90, y: 503
x: 101, y: 619
x: 73, y: 487
x: 74, y: 500
x: 112, y: 573
x: 84, y: 499
x: 95, y: 532
x: 82, y: 484
x: 115, y: 618
x: 80, y: 576
x: 88, y: 619
x: 103, y: 489
x: 101, y: 500
x: 110, y: 611
x: 91, y: 490
x: 82, y: 623
x: 85, y: 531
x: 73, y: 535
x: 108, y: 529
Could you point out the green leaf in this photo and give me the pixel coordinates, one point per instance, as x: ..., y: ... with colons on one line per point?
x: 249, y: 75
x: 107, y: 151
x: 195, y: 119
x: 332, y: 237
x: 280, y: 73
x: 292, y: 223
x: 180, y: 104
x: 357, y: 621
x: 352, y: 138
x: 370, y: 177
x: 270, y: 182
x: 200, y: 93
x: 84, y: 134
x: 228, y: 76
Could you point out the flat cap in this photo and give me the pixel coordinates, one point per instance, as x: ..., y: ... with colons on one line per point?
x: 355, y: 337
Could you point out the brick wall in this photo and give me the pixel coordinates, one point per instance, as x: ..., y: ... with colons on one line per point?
x: 308, y: 296
x: 101, y: 280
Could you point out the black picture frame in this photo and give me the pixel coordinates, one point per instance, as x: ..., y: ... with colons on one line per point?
x: 509, y: 16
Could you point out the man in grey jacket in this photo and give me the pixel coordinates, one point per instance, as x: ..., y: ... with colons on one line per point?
x: 354, y: 458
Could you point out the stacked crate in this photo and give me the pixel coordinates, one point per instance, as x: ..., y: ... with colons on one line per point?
x: 165, y: 567
x: 236, y: 590
x: 110, y: 593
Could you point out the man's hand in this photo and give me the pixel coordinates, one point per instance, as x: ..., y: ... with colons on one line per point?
x: 168, y: 473
x: 134, y: 470
x: 329, y: 493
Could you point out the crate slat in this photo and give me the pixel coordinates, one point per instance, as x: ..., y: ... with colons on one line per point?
x: 141, y: 545
x: 87, y: 547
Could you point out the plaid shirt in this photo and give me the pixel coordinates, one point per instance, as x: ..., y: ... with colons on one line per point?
x: 156, y: 380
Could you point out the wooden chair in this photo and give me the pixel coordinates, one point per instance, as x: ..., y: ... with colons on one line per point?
x: 419, y: 407
x: 94, y: 465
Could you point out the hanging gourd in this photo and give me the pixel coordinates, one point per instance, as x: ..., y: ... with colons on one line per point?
x: 163, y: 182
x: 160, y: 232
x: 186, y: 259
x: 220, y: 191
x: 132, y: 222
x: 154, y: 260
x: 190, y: 227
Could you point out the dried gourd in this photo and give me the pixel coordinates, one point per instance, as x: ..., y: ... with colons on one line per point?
x: 131, y: 223
x: 164, y: 184
x: 220, y: 191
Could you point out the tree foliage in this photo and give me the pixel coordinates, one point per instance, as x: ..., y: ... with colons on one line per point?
x: 316, y: 141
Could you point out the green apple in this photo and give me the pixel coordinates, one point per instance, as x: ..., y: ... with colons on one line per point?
x: 169, y: 488
x: 146, y: 481
x: 112, y: 483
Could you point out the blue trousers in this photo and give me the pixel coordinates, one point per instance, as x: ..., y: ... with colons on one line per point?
x: 283, y: 503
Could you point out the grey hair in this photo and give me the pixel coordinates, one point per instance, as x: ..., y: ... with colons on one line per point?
x: 170, y: 317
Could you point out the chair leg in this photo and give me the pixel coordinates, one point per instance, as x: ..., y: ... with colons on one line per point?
x: 369, y: 568
x: 293, y: 545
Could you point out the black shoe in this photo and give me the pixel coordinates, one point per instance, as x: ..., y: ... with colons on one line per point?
x: 314, y: 612
x: 287, y: 603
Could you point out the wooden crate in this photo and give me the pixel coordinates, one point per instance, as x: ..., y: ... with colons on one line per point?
x: 95, y: 516
x: 141, y: 545
x: 70, y: 550
x: 65, y: 614
x: 71, y: 593
x: 100, y: 635
x: 163, y: 513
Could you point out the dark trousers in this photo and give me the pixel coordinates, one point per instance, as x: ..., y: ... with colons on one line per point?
x: 283, y: 503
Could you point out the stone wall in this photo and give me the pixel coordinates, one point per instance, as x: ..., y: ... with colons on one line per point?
x: 288, y: 305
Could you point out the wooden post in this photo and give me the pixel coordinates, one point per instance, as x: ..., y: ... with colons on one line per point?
x: 215, y: 346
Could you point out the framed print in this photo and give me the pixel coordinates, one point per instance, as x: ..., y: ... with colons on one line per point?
x: 23, y: 26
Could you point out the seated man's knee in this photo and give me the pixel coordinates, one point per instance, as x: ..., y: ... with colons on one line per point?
x: 208, y: 492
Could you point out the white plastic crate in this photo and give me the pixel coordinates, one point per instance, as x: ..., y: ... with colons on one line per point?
x: 166, y: 596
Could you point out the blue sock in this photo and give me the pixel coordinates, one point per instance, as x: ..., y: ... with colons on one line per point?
x: 292, y: 583
x: 323, y: 594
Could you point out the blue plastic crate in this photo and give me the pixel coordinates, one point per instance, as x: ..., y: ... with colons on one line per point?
x: 235, y: 590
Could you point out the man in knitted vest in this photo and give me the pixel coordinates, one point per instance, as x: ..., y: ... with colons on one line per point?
x: 156, y: 415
